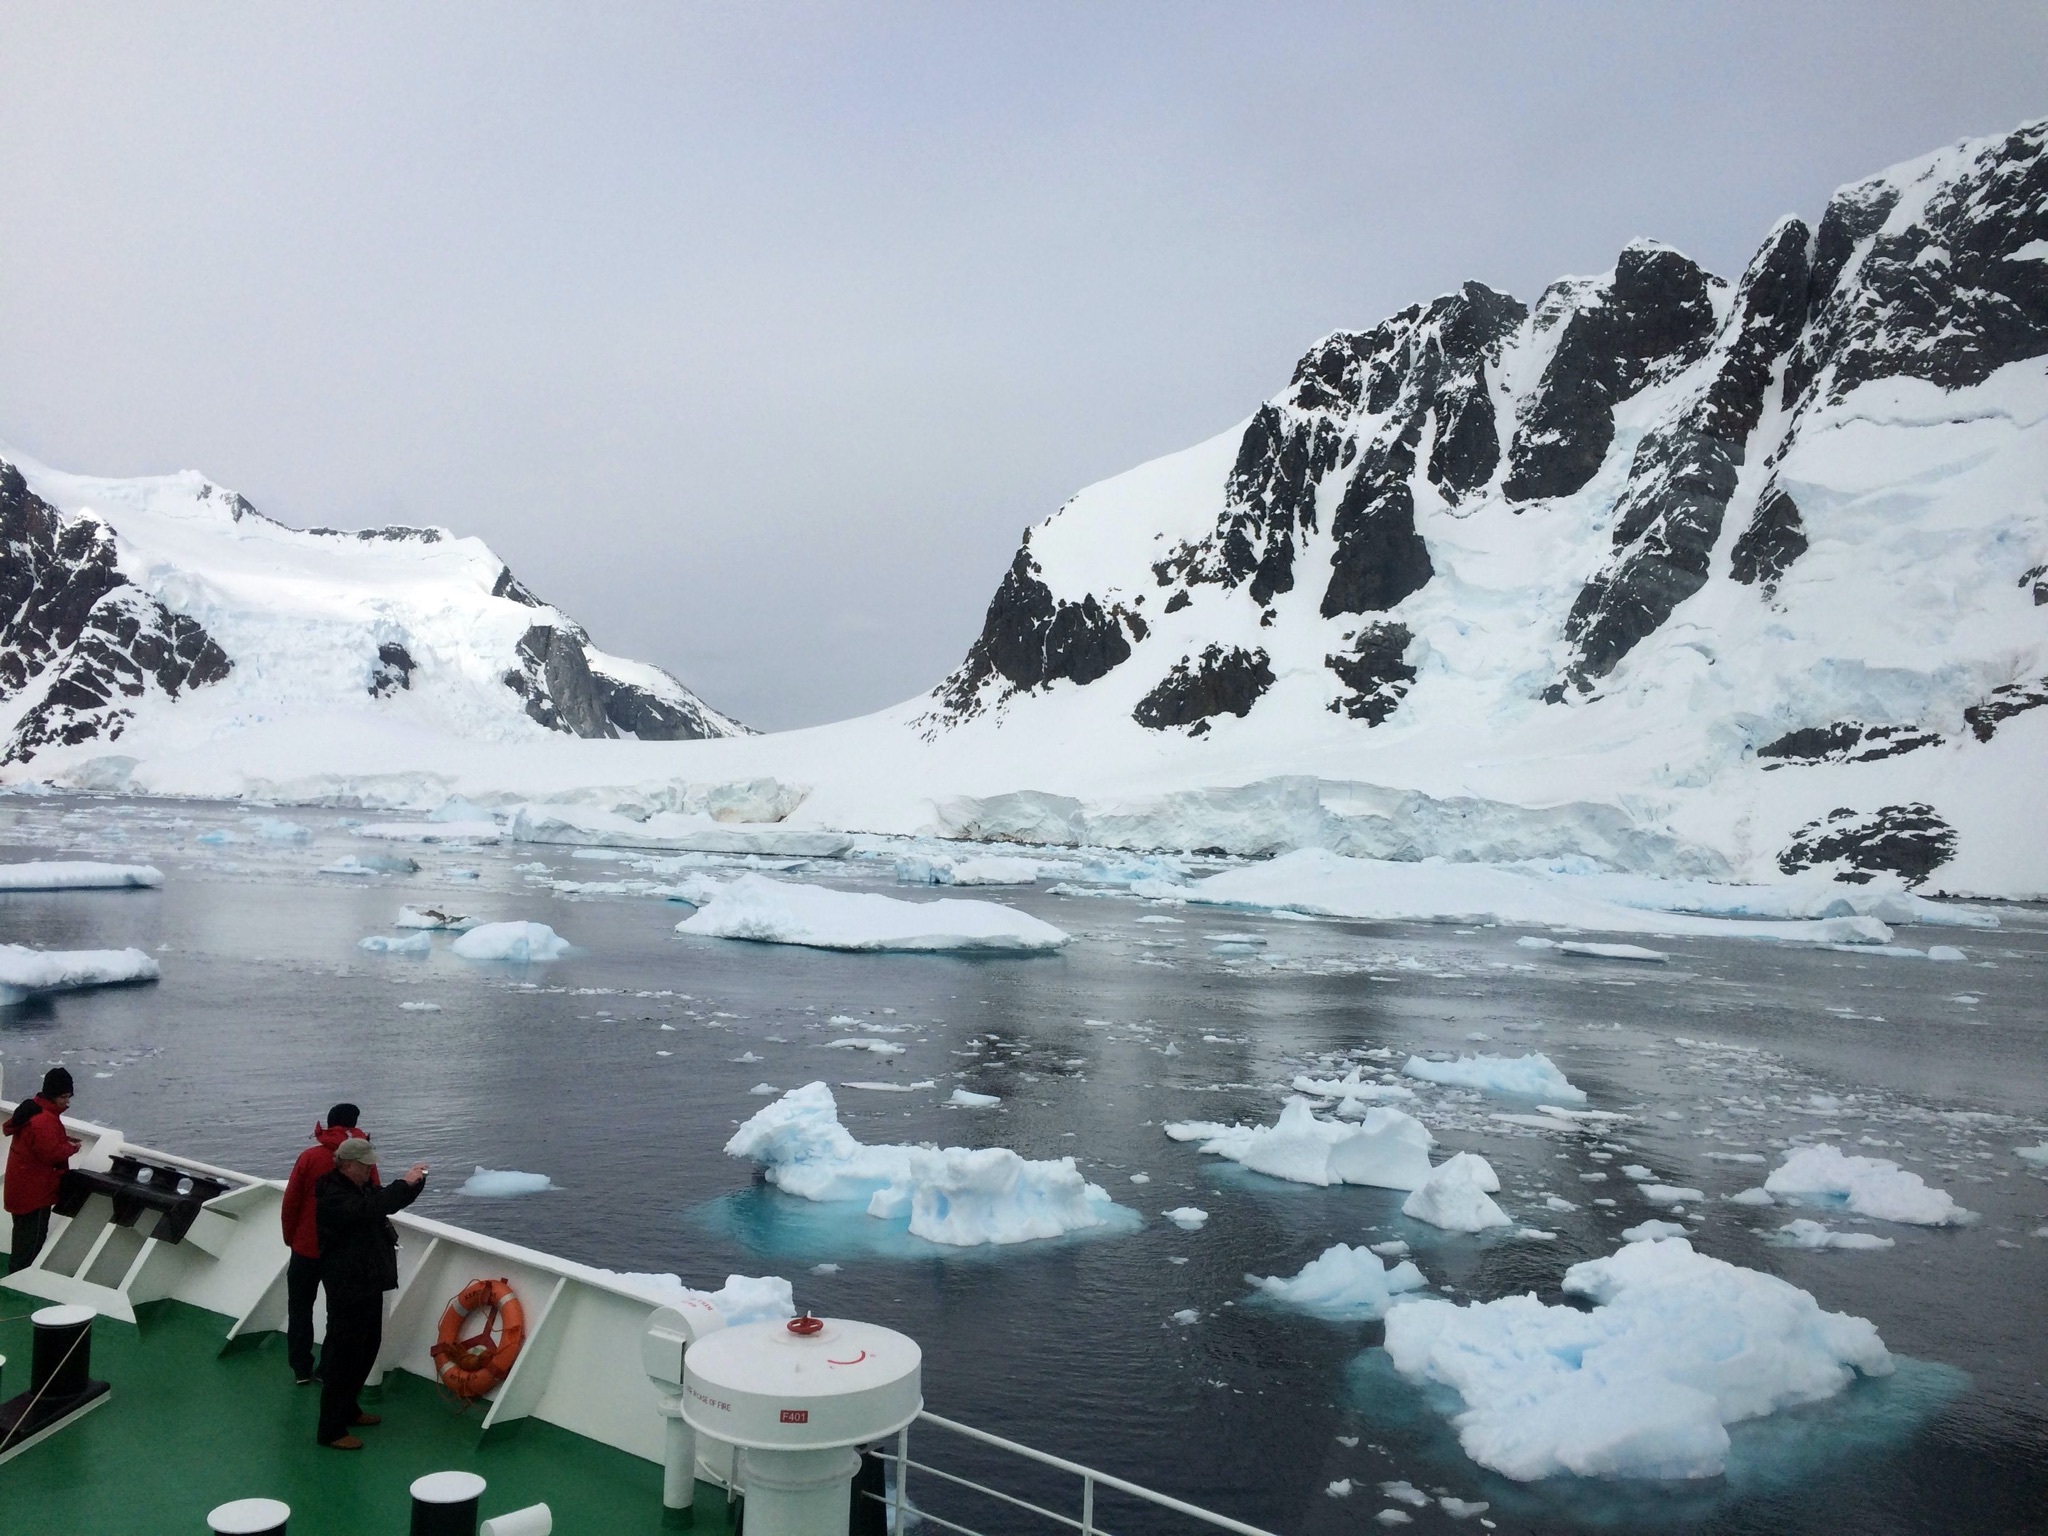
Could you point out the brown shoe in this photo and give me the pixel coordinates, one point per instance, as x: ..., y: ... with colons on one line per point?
x: 345, y: 1443
x: 362, y: 1419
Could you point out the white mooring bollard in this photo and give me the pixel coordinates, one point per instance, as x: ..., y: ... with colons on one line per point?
x: 534, y: 1520
x: 249, y: 1517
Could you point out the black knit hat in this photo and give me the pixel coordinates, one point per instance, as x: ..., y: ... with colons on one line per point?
x: 344, y: 1115
x: 56, y: 1083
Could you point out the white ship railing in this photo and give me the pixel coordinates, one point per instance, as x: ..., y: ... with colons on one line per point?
x: 898, y: 1504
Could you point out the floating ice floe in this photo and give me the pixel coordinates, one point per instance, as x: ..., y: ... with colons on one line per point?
x: 951, y: 1195
x: 1650, y: 1231
x: 1676, y: 1347
x: 1528, y: 1077
x: 875, y: 1047
x: 966, y: 1099
x: 503, y: 1183
x: 1344, y: 1283
x: 371, y: 864
x: 1458, y: 1196
x: 1803, y: 1233
x: 1386, y: 1149
x: 983, y: 869
x: 1351, y: 1091
x: 1592, y: 951
x: 742, y: 1299
x: 485, y: 831
x: 2038, y: 1156
x: 78, y: 875
x: 516, y: 942
x: 25, y: 972
x: 780, y: 912
x: 433, y: 917
x: 1559, y: 894
x: 1868, y: 1186
x: 1189, y: 1218
x: 273, y: 829
x: 384, y: 944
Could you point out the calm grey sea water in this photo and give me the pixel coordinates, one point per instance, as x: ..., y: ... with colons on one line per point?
x: 619, y: 1072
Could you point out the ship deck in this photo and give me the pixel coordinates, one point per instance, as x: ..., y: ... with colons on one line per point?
x: 187, y: 1427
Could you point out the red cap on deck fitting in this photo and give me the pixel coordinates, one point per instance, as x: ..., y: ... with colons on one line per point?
x: 806, y: 1324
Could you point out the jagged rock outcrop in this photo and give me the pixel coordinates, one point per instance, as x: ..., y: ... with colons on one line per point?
x: 1910, y: 841
x: 1845, y: 741
x: 1654, y: 316
x: 1030, y: 639
x: 76, y: 627
x: 1374, y: 671
x: 1215, y: 683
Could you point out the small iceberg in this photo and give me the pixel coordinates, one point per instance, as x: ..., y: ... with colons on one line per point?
x: 1386, y: 1149
x: 383, y: 944
x: 1342, y: 1283
x: 1458, y: 1196
x: 1533, y: 1076
x: 965, y: 1099
x: 78, y: 875
x: 952, y: 1195
x: 24, y: 972
x: 503, y: 1183
x: 515, y: 942
x: 780, y: 912
x: 1189, y: 1218
x: 435, y: 918
x: 1803, y: 1233
x: 1676, y: 1347
x: 1868, y: 1186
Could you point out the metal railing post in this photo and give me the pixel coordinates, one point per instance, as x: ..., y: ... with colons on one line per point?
x: 902, y: 1475
x: 1087, y: 1506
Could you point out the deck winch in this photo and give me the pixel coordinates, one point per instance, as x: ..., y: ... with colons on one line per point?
x: 797, y: 1398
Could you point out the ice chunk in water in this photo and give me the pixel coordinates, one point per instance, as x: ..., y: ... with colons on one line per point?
x: 77, y: 875
x: 433, y: 917
x: 384, y: 944
x: 1533, y: 1076
x: 1676, y: 1347
x: 2038, y: 1156
x: 1457, y: 1196
x: 951, y: 1195
x: 516, y: 942
x: 1350, y: 1284
x: 1803, y: 1233
x: 964, y: 1099
x: 1869, y: 1186
x: 1189, y: 1218
x: 1387, y: 1149
x: 25, y: 972
x: 502, y: 1183
x: 781, y: 912
x: 1650, y: 1231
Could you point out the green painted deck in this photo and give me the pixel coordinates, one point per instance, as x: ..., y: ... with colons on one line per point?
x: 187, y: 1427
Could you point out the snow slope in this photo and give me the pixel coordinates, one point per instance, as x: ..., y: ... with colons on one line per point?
x: 1689, y: 577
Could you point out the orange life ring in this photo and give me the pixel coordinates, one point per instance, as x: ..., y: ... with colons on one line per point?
x: 470, y: 1364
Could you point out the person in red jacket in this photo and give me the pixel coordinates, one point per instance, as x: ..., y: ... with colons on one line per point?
x: 302, y: 1233
x: 38, y: 1152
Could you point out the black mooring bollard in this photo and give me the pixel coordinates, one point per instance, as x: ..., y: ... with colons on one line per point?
x: 62, y: 1361
x: 249, y: 1517
x: 445, y: 1504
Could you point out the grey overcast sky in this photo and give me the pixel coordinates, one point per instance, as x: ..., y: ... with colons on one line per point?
x: 752, y: 335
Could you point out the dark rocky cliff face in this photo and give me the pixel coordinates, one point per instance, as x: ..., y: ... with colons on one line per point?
x: 76, y: 625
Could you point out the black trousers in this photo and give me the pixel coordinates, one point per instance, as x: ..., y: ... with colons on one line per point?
x: 355, y: 1332
x: 31, y: 1231
x: 301, y: 1284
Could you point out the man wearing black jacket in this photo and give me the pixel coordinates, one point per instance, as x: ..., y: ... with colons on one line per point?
x: 358, y: 1264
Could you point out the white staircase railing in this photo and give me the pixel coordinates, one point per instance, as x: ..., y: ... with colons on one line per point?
x: 899, y: 1507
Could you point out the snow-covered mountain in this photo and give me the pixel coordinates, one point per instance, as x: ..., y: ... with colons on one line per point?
x: 1659, y: 532
x: 171, y: 603
x: 1675, y: 573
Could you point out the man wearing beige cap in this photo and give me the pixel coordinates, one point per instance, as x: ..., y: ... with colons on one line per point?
x: 358, y: 1264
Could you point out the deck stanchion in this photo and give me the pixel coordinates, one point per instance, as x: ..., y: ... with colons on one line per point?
x: 445, y: 1504
x: 249, y: 1517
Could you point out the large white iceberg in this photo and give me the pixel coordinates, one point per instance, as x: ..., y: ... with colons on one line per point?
x: 1677, y: 1346
x: 1458, y: 1196
x: 1534, y: 1076
x: 781, y: 912
x: 952, y: 1195
x: 1386, y: 1148
x: 77, y: 875
x: 1350, y: 1284
x: 1325, y: 884
x: 517, y: 942
x: 1868, y: 1186
x: 25, y: 971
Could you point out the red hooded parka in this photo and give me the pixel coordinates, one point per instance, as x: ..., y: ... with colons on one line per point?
x: 37, y: 1156
x: 301, y: 1225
